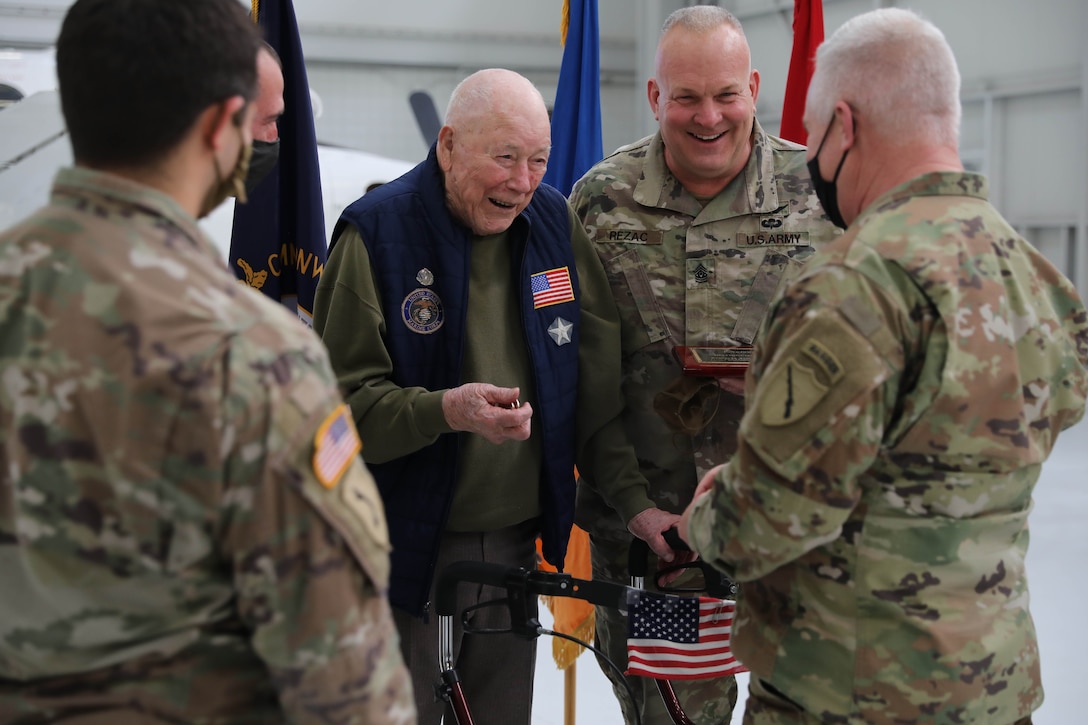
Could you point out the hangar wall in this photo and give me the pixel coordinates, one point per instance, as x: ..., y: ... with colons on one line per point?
x: 1024, y: 64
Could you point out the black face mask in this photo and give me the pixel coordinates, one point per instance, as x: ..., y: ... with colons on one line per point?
x: 264, y: 158
x: 826, y: 191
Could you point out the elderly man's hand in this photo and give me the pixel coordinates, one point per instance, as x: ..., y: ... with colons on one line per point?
x: 489, y: 411
x: 649, y: 524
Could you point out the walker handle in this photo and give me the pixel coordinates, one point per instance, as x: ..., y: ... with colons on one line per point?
x: 477, y: 572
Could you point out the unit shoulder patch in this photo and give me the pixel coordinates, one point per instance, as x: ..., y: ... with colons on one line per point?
x: 360, y: 496
x: 792, y: 392
x: 821, y: 370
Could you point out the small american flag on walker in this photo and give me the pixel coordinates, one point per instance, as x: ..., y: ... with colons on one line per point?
x: 680, y: 638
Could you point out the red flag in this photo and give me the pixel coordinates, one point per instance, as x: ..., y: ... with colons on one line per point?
x: 808, y: 33
x: 680, y: 638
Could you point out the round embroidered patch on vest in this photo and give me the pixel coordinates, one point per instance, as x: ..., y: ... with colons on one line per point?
x: 422, y: 311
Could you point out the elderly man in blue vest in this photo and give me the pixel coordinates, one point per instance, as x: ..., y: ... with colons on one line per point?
x: 474, y: 335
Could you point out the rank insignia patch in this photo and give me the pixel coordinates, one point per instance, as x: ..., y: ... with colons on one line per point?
x: 422, y: 311
x: 335, y: 445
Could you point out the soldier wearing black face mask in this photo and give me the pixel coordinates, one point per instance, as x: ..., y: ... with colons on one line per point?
x: 177, y: 542
x: 269, y: 108
x: 826, y: 191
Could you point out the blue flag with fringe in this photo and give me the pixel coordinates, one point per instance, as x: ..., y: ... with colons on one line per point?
x: 576, y: 117
x: 278, y: 242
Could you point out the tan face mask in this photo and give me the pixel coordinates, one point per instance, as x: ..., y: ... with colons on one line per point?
x: 688, y: 404
x: 232, y: 185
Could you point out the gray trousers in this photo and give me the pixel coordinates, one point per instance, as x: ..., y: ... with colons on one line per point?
x: 496, y: 671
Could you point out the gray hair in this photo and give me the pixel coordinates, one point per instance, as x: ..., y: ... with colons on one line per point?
x: 897, y: 70
x: 701, y: 19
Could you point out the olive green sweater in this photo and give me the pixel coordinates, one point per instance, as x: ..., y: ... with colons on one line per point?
x: 497, y: 485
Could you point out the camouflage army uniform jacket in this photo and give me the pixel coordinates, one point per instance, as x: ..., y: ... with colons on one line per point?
x: 687, y: 274
x: 186, y: 531
x: 912, y: 382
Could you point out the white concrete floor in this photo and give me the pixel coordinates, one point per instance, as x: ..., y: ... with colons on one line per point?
x: 1059, y: 591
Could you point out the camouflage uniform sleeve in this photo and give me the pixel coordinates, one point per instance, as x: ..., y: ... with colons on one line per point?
x: 348, y: 316
x: 304, y: 530
x: 606, y: 458
x: 829, y: 364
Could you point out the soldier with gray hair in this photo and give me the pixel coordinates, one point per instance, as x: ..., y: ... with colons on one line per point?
x: 912, y: 382
x: 187, y: 534
x: 697, y: 225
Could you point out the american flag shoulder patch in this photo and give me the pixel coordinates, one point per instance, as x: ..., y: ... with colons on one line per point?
x: 552, y: 287
x: 335, y: 445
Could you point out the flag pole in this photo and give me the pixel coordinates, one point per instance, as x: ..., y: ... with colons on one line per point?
x: 570, y: 684
x: 576, y: 146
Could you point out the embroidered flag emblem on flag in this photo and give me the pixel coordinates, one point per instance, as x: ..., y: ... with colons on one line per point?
x: 335, y: 444
x: 680, y: 638
x: 551, y: 287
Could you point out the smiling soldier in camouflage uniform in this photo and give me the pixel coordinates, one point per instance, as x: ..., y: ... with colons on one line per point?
x: 911, y: 384
x: 697, y: 226
x: 187, y: 534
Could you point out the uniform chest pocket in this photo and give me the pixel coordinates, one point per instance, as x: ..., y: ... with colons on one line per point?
x: 641, y: 318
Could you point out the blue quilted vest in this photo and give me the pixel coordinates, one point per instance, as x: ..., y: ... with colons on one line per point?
x: 406, y: 228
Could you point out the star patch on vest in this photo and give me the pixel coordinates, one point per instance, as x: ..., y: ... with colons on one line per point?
x: 335, y: 445
x: 560, y: 331
x: 796, y: 387
x: 551, y: 288
x: 422, y: 311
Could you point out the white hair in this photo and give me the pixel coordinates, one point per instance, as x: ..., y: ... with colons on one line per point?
x: 896, y: 70
x: 481, y: 93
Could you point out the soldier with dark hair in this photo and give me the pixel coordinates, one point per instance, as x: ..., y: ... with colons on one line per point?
x: 187, y: 533
x: 268, y: 107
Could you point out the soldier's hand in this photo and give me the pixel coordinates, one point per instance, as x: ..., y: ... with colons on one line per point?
x: 704, y: 486
x: 648, y: 525
x: 488, y: 410
x: 707, y: 482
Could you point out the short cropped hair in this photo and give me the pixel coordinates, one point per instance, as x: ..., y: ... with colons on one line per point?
x: 897, y: 70
x: 134, y: 75
x: 701, y: 19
